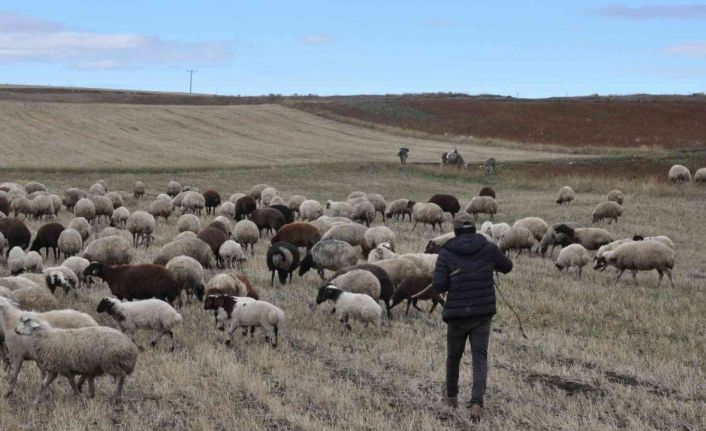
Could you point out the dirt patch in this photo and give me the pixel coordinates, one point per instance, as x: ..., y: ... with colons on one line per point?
x: 569, y: 386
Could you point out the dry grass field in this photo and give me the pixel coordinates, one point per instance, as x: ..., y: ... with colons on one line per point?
x: 600, y: 356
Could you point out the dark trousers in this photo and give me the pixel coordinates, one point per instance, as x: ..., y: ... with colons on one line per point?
x: 477, y: 331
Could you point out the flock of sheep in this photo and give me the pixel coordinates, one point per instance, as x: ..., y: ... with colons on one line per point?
x: 364, y: 268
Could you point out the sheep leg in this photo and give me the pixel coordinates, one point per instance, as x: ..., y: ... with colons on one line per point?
x: 45, y: 385
x: 620, y: 274
x: 433, y: 306
x: 275, y: 332
x: 518, y: 253
x: 72, y: 383
x: 414, y: 225
x: 414, y: 304
x: 661, y: 276
x: 272, y: 280
x: 409, y: 303
x: 119, y: 389
x: 580, y: 271
x: 158, y: 337
x: 669, y: 274
x: 91, y: 387
x: 12, y: 376
x: 171, y: 335
x: 634, y: 276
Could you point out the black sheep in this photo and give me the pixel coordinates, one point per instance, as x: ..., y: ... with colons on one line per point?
x: 244, y: 206
x: 137, y: 281
x: 213, y: 199
x: 4, y: 205
x: 283, y: 258
x: 448, y: 203
x: 16, y: 233
x: 286, y: 212
x: 48, y: 238
x: 487, y: 191
x: 412, y: 286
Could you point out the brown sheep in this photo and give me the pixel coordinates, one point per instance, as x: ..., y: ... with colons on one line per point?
x: 244, y: 207
x: 15, y: 232
x: 298, y: 234
x: 213, y: 199
x: 487, y: 191
x: 137, y: 281
x: 214, y: 237
x: 268, y: 219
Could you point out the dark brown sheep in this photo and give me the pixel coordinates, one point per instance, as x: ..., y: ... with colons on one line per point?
x: 298, y: 234
x: 267, y: 219
x: 214, y: 237
x: 137, y: 281
x: 286, y: 212
x: 4, y: 205
x: 213, y: 199
x: 411, y: 286
x: 16, y: 233
x: 244, y: 206
x: 386, y: 286
x: 448, y: 203
x: 48, y: 238
x: 221, y: 226
x: 487, y: 191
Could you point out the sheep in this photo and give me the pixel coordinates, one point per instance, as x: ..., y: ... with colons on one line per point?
x: 16, y: 193
x: 211, y: 200
x: 399, y: 269
x: 573, y: 256
x: 310, y: 210
x: 400, y: 208
x: 188, y: 273
x: 356, y: 194
x: 482, y: 205
x: 560, y: 234
x: 234, y: 197
x: 116, y: 199
x: 295, y: 201
x: 138, y: 190
x: 616, y: 196
x: 679, y: 174
x: 246, y: 233
x: 16, y: 232
x: 7, y: 186
x: 228, y: 283
x: 283, y: 258
x: 71, y: 197
x: 34, y: 262
x: 286, y: 212
x: 160, y: 208
x: 120, y: 217
x: 89, y: 352
x: 591, y: 238
x: 16, y: 260
x: 214, y: 237
x: 165, y: 197
x: 82, y: 226
x: 42, y: 206
x: 487, y: 191
x: 141, y: 225
x: 18, y: 348
x: 188, y: 223
x: 349, y: 305
x: 173, y: 188
x: 60, y: 276
x: 4, y: 205
x: 34, y: 186
x: 386, y: 286
x: 85, y: 208
x: 56, y: 203
x: 411, y: 286
x: 424, y: 261
x: 607, y: 210
x: 221, y: 223
x: 565, y: 196
x: 267, y: 195
x: 363, y: 211
x: 184, y: 235
x: 448, y: 203
x: 251, y: 314
x: 435, y: 244
x: 339, y: 209
x: 328, y: 254
x: 277, y: 200
x: 267, y: 219
x: 326, y: 223
x: 700, y: 175
x: 97, y: 189
x: 231, y: 253
x: 244, y: 207
x: 227, y: 209
x: 21, y: 206
x: 150, y: 314
x: 378, y: 202
x: 351, y: 233
x: 47, y: 238
x: 137, y: 281
x: 104, y: 207
x: 3, y: 243
x: 112, y: 250
x: 660, y: 238
x: 517, y: 238
x: 78, y: 265
x: 192, y: 247
x: 639, y: 256
x: 377, y: 235
x: 299, y: 234
x: 427, y: 213
x: 358, y: 281
x: 536, y: 225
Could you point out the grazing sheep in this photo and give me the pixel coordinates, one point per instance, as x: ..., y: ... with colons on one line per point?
x: 56, y: 203
x: 227, y: 209
x: 348, y: 305
x: 283, y: 258
x: 104, y: 207
x: 700, y: 176
x: 517, y: 238
x: 188, y: 273
x: 565, y: 196
x: 141, y: 225
x: 85, y: 208
x: 378, y: 202
x: 356, y: 194
x: 138, y: 190
x: 42, y: 206
x: 607, y: 210
x: 325, y: 223
x: 231, y: 254
x: 97, y: 189
x: 192, y: 247
x: 590, y: 238
x: 21, y: 206
x: 400, y: 208
x: 165, y: 197
x: 267, y: 219
x: 214, y: 237
x: 639, y: 256
x: 116, y: 199
x: 228, y: 283
x: 36, y: 298
x: 15, y: 232
x: 494, y: 230
x: 351, y: 233
x: 244, y: 207
x: 111, y: 250
x: 120, y: 217
x: 487, y: 191
x: 234, y: 197
x: 299, y: 234
x: 71, y: 197
x: 399, y: 269
x: 448, y: 203
x: 60, y: 276
x: 573, y: 256
x: 78, y: 265
x: 358, y: 281
x: 616, y: 196
x: 4, y: 205
x: 267, y: 195
x: 34, y: 186
x: 679, y: 174
x: 435, y: 244
x: 16, y: 260
x: 363, y: 210
x: 427, y: 213
x: 311, y: 210
x: 222, y: 224
x: 247, y: 234
x: 48, y: 238
x: 482, y: 205
x: 377, y: 235
x: 88, y: 352
x: 558, y: 235
x: 277, y: 200
x: 251, y: 314
x: 82, y: 226
x: 536, y: 225
x: 660, y: 238
x: 328, y: 254
x: 137, y: 281
x: 286, y: 212
x: 150, y: 314
x: 188, y: 223
x: 173, y: 188
x: 413, y: 286
x: 160, y: 208
x: 386, y: 286
x: 295, y: 201
x: 34, y: 262
x: 3, y: 243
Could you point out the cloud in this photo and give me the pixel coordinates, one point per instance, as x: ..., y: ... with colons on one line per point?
x: 316, y: 39
x: 25, y: 39
x: 695, y: 50
x: 676, y: 11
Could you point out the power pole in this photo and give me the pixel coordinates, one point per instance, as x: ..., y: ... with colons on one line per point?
x: 191, y: 77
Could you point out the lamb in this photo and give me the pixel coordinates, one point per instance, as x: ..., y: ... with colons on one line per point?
x: 104, y: 207
x: 116, y: 199
x: 137, y: 281
x: 227, y: 209
x: 192, y: 247
x: 141, y: 225
x: 244, y: 207
x: 351, y: 306
x: 283, y: 258
x: 482, y: 205
x: 427, y: 213
x: 89, y: 352
x: 487, y: 191
x: 138, y: 190
x: 639, y: 256
x: 251, y: 314
x: 413, y: 286
x: 42, y: 206
x: 120, y: 217
x: 448, y: 203
x: 85, y: 208
x: 328, y: 254
x: 267, y: 219
x: 34, y: 262
x: 565, y: 196
x: 247, y: 234
x: 295, y: 201
x: 33, y: 186
x: 111, y: 250
x: 400, y: 208
x: 363, y: 211
x: 358, y: 281
x: 310, y: 210
x: 231, y: 253
x: 150, y: 314
x: 82, y: 226
x: 160, y: 208
x: 173, y: 188
x: 616, y: 196
x: 71, y: 197
x: 573, y: 256
x: 299, y: 234
x: 377, y: 235
x: 607, y: 210
x: 48, y: 238
x: 700, y: 176
x: 188, y: 273
x: 679, y: 174
x: 16, y: 260
x: 340, y: 209
x: 378, y: 202
x: 267, y: 195
x: 21, y: 206
x: 517, y: 238
x: 536, y: 225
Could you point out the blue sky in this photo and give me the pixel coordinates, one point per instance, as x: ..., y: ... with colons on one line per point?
x: 530, y: 49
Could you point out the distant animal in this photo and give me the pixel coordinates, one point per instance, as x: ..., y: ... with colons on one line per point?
x: 490, y: 165
x: 453, y: 158
x: 403, y: 154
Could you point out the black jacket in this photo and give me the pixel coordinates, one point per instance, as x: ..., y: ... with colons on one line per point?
x: 471, y: 292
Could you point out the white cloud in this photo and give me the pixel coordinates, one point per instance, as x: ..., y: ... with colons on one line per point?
x: 28, y: 39
x: 672, y: 11
x: 316, y: 39
x: 696, y: 49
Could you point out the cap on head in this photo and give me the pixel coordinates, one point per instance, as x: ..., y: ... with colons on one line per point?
x: 464, y: 227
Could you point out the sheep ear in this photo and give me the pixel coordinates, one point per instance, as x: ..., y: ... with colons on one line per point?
x: 24, y: 319
x: 34, y: 324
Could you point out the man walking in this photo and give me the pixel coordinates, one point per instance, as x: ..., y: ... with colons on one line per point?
x: 465, y: 269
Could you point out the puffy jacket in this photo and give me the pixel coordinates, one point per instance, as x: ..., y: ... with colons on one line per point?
x: 471, y: 292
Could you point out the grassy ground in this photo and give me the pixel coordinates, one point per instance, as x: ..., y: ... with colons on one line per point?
x: 600, y: 356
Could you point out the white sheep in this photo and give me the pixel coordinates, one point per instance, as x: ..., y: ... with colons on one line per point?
x: 16, y: 260
x: 267, y: 195
x: 42, y: 206
x: 573, y: 256
x: 328, y: 254
x: 246, y: 234
x: 85, y: 208
x: 482, y: 205
x: 231, y: 253
x: 679, y: 174
x: 536, y: 225
x: 358, y: 281
x: 640, y: 256
x: 378, y: 235
x: 34, y: 262
x: 340, y: 209
x: 349, y: 306
x: 363, y: 210
x: 82, y: 226
x: 78, y: 265
x: 188, y: 272
x: 592, y: 238
x: 399, y: 208
x: 399, y: 269
x: 565, y: 196
x: 700, y: 175
x: 120, y: 217
x: 251, y: 314
x: 60, y: 276
x: 616, y: 196
x: 352, y: 233
x: 494, y: 230
x: 517, y: 238
x: 173, y: 188
x: 227, y: 209
x: 427, y: 213
x: 141, y: 225
x: 138, y: 189
x: 150, y: 314
x: 295, y: 202
x: 310, y: 209
x: 607, y: 210
x: 188, y: 223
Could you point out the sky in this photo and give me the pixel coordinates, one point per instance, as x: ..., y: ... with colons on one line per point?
x: 518, y: 48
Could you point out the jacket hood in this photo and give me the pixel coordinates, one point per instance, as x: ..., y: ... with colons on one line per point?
x: 466, y: 244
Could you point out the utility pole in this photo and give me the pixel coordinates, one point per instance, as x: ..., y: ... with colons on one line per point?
x: 191, y: 77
